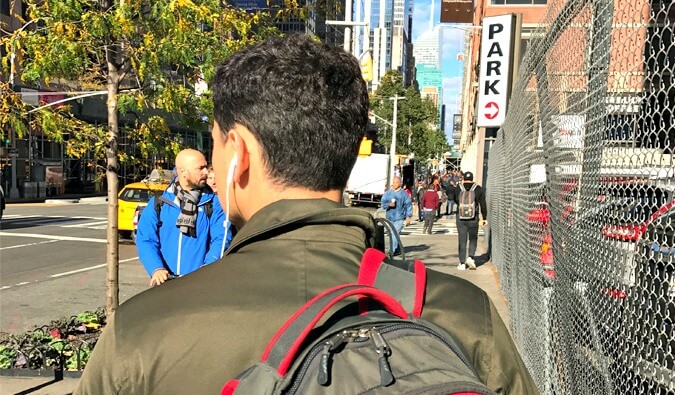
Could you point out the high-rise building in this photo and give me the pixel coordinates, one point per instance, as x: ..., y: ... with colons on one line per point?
x: 427, y: 47
x: 431, y: 93
x: 289, y: 21
x: 387, y: 35
x: 401, y: 39
x: 427, y: 54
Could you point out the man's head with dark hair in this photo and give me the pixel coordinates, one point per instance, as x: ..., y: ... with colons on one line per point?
x: 294, y: 111
x: 467, y: 176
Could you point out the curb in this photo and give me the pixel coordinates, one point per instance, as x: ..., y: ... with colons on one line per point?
x: 61, y: 201
x: 31, y: 373
x: 94, y: 199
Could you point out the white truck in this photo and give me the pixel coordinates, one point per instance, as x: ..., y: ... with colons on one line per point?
x: 368, y: 179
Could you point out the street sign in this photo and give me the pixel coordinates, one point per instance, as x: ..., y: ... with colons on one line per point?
x: 495, y: 69
x: 457, y: 11
x: 13, y: 152
x: 491, y: 110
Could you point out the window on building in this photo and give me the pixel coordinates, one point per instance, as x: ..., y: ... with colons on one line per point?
x: 619, y: 128
x: 4, y: 7
x: 518, y: 2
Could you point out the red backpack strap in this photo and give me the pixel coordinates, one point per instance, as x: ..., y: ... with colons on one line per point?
x: 370, y: 265
x: 404, y: 281
x: 286, y: 343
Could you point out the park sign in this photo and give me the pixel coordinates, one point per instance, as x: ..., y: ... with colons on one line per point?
x: 496, y: 50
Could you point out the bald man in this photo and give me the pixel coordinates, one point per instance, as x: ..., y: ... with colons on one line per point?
x: 186, y: 228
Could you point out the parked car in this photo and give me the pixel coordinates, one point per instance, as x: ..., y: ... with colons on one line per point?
x: 606, y: 287
x: 134, y: 196
x: 652, y: 306
x: 618, y: 222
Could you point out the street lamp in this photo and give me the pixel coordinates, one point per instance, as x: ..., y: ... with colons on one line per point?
x: 392, y: 150
x: 468, y: 29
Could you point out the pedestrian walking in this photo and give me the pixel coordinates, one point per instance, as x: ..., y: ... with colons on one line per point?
x: 419, y: 194
x: 398, y: 205
x: 470, y: 200
x: 450, y: 204
x: 184, y: 228
x: 429, y: 204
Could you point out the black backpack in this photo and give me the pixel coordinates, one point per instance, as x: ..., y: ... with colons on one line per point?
x: 385, y: 351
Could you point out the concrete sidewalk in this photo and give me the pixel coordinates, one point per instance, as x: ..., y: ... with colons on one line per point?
x: 438, y: 251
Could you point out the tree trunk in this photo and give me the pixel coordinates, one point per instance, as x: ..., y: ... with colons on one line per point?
x: 112, y: 253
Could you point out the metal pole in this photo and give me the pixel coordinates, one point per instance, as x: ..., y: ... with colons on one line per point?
x: 356, y: 45
x: 392, y: 150
x: 348, y: 29
x: 13, y: 190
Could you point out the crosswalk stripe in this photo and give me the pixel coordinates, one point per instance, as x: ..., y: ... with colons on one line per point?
x: 85, y: 225
x: 53, y: 220
x: 446, y: 227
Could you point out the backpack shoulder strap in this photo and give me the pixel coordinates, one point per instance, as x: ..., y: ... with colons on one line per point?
x: 159, y: 201
x: 461, y: 186
x: 208, y: 208
x: 473, y: 187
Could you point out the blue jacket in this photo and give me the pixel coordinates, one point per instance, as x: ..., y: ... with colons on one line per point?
x: 403, y: 207
x: 170, y: 249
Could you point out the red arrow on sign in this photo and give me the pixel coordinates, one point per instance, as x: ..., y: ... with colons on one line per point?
x: 493, y: 114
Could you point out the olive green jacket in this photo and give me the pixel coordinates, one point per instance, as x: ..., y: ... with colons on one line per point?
x: 192, y: 334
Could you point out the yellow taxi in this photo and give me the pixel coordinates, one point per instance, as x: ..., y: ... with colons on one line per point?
x: 135, y: 196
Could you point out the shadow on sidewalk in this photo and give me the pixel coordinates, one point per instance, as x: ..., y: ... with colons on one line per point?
x: 38, y: 387
x: 58, y: 379
x: 416, y: 248
x: 481, y: 259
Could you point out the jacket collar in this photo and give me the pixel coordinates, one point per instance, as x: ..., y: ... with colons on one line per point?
x: 283, y: 213
x: 170, y: 197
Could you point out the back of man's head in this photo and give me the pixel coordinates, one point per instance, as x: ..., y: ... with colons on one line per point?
x: 306, y: 104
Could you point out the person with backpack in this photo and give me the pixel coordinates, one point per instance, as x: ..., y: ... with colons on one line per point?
x: 295, y: 240
x: 183, y: 228
x: 470, y: 200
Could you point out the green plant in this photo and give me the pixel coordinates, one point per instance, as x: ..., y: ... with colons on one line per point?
x: 7, y: 357
x: 88, y: 317
x: 71, y: 362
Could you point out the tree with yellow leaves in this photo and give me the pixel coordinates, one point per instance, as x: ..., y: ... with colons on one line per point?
x: 147, y: 55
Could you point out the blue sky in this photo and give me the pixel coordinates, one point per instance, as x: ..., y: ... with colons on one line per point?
x: 452, y: 44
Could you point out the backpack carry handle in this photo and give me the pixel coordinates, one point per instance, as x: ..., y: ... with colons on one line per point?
x: 393, y: 234
x: 285, y: 344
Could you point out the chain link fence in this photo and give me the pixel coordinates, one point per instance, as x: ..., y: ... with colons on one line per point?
x: 581, y: 199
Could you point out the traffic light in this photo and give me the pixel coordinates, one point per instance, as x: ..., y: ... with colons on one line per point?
x: 366, y: 63
x: 366, y: 147
x: 6, y: 141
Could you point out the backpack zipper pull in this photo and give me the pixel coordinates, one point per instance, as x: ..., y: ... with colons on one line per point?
x: 324, y: 369
x: 386, y: 376
x: 324, y: 373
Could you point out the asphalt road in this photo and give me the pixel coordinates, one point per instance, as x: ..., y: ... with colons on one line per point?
x: 52, y: 263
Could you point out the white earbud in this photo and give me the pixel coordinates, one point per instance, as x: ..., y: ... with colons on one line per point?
x: 228, y: 182
x: 230, y: 170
